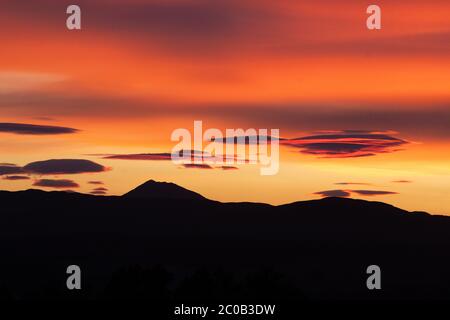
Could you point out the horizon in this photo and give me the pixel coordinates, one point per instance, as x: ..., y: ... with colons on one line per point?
x: 214, y: 200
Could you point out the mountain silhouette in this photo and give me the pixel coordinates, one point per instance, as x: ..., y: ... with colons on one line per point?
x: 162, y: 190
x: 318, y: 249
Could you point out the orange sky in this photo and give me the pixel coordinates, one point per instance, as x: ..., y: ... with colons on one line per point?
x: 140, y: 69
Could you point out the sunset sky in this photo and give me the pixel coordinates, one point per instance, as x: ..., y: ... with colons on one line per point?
x: 365, y: 114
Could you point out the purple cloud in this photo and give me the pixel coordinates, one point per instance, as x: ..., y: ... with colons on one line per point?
x: 228, y: 168
x: 352, y: 183
x: 372, y: 192
x: 63, y: 166
x: 100, y: 189
x: 197, y: 166
x: 402, y: 181
x: 33, y: 129
x: 348, y: 193
x: 346, y: 144
x: 96, y: 182
x: 14, y: 178
x: 98, y: 193
x: 9, y: 168
x: 56, y: 184
x: 333, y: 193
x: 166, y: 156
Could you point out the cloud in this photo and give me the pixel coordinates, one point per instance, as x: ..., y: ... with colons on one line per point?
x: 64, y: 166
x: 57, y: 184
x: 353, y: 183
x: 9, y: 168
x: 228, y: 168
x: 348, y: 193
x: 401, y: 181
x: 347, y: 144
x: 44, y: 118
x: 205, y: 158
x: 98, y: 193
x: 96, y: 182
x: 197, y: 166
x: 100, y: 189
x: 14, y: 178
x: 248, y: 139
x: 174, y: 27
x: 157, y: 156
x: 431, y: 117
x: 333, y: 193
x: 165, y: 156
x: 201, y: 26
x: 372, y: 192
x: 33, y: 129
x: 140, y: 156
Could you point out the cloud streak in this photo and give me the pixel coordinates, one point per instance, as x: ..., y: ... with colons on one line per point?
x: 9, y: 168
x: 402, y: 181
x: 333, y: 193
x: 98, y: 193
x: 16, y: 178
x: 353, y: 183
x: 33, y: 129
x: 94, y: 182
x: 63, y: 166
x: 55, y: 183
x: 347, y: 144
x: 197, y: 166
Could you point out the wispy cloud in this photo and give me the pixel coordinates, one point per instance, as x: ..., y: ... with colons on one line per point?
x: 158, y: 156
x: 353, y: 183
x: 94, y: 182
x: 15, y: 178
x: 197, y: 166
x: 347, y: 144
x: 9, y: 168
x: 348, y: 193
x: 373, y: 192
x: 55, y: 183
x: 101, y: 189
x: 205, y: 159
x: 402, y: 181
x: 98, y: 193
x: 34, y: 129
x: 333, y: 193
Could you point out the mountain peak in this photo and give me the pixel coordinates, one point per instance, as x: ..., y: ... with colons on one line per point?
x: 162, y: 190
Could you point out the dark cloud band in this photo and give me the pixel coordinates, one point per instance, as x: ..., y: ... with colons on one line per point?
x: 63, y: 166
x: 346, y: 144
x: 348, y: 193
x: 16, y: 178
x: 7, y: 169
x: 33, y: 129
x: 56, y: 184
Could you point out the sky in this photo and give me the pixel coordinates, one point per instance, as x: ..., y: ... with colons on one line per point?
x: 361, y: 113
